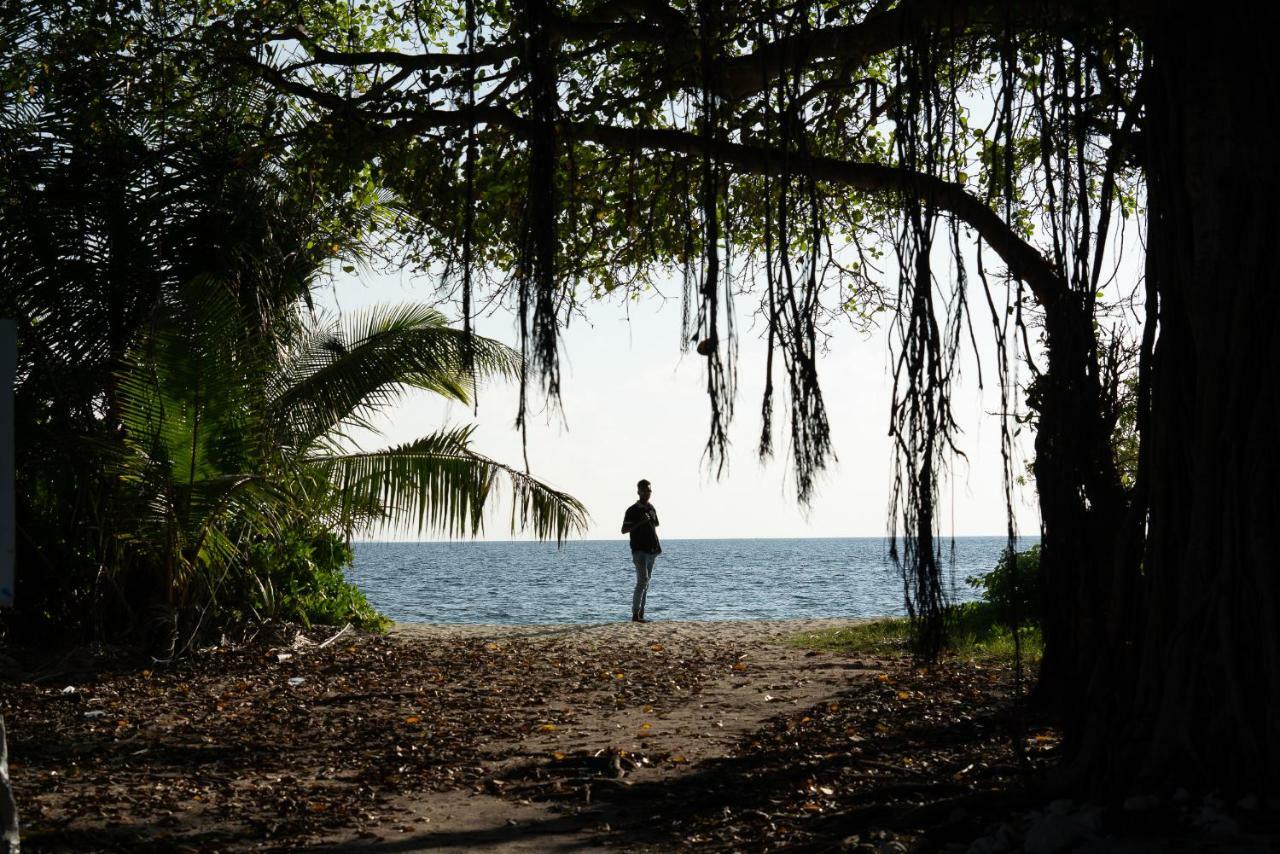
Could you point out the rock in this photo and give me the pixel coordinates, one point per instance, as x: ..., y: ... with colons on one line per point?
x: 1063, y: 826
x: 1213, y: 821
x: 1141, y: 803
x: 1003, y: 839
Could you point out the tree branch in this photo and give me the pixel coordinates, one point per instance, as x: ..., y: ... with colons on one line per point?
x: 1021, y: 258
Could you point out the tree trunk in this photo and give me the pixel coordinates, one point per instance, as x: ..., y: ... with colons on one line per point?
x: 1198, y: 704
x: 1081, y: 500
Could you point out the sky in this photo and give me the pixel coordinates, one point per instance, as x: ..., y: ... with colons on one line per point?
x: 635, y: 407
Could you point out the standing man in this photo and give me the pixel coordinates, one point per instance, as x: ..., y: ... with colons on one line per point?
x: 641, y: 522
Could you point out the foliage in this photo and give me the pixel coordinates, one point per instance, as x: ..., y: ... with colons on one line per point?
x: 299, y: 576
x: 1012, y: 588
x: 181, y: 412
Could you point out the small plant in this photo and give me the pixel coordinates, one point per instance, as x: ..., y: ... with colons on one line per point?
x: 1013, y: 587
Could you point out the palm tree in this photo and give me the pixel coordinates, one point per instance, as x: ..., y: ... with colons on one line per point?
x: 230, y: 439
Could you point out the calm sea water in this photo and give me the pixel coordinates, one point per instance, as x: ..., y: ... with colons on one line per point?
x: 590, y: 581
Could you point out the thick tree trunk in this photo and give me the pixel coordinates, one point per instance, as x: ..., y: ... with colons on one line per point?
x: 1198, y: 704
x: 1081, y: 501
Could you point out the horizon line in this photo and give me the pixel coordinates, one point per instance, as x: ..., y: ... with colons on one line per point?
x: 621, y: 539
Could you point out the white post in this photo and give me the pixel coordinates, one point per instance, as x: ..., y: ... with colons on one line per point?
x: 9, y: 843
x: 8, y: 533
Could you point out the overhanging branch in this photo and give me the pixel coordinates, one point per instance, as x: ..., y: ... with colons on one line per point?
x: 1022, y: 259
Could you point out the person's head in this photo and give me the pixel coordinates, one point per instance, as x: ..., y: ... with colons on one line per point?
x: 643, y: 490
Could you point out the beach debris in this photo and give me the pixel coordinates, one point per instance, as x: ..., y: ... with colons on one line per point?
x: 295, y: 681
x: 342, y: 631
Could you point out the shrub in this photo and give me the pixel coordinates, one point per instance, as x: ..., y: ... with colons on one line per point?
x: 299, y: 577
x: 1013, y: 584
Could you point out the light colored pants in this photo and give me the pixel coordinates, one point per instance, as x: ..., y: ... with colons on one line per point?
x: 644, y: 571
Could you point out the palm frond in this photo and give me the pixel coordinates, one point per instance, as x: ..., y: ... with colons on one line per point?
x: 440, y: 485
x: 337, y: 374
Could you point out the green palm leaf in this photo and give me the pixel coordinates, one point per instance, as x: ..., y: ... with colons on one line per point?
x: 439, y: 484
x: 341, y: 375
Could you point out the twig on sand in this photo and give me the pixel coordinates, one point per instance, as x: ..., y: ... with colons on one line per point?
x: 342, y: 631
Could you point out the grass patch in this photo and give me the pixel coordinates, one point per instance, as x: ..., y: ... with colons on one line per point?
x: 973, y: 632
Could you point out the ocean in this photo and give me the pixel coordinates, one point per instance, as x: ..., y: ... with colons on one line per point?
x: 590, y: 581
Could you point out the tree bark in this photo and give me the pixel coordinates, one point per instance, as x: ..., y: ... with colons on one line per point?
x: 1196, y: 703
x: 1081, y: 504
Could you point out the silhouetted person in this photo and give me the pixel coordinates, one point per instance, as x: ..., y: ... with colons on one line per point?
x: 641, y: 522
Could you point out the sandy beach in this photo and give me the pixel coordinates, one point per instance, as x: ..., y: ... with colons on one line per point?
x: 431, y: 737
x: 752, y: 676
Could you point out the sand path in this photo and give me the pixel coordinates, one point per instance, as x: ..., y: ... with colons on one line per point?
x: 768, y: 679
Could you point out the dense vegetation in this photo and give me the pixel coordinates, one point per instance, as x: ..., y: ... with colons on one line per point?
x: 182, y: 412
x: 945, y: 162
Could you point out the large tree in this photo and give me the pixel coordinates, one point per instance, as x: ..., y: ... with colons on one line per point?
x: 166, y: 216
x: 563, y: 150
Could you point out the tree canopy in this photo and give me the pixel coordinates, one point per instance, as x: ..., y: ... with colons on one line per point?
x: 956, y: 165
x: 835, y: 155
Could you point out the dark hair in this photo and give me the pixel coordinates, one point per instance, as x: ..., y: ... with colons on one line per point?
x: 643, y: 484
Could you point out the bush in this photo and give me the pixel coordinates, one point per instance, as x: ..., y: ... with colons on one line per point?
x: 299, y: 577
x: 1013, y: 584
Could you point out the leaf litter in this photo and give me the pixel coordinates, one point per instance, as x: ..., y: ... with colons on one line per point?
x: 235, y: 747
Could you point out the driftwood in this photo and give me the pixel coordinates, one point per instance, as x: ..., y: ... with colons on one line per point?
x: 8, y: 808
